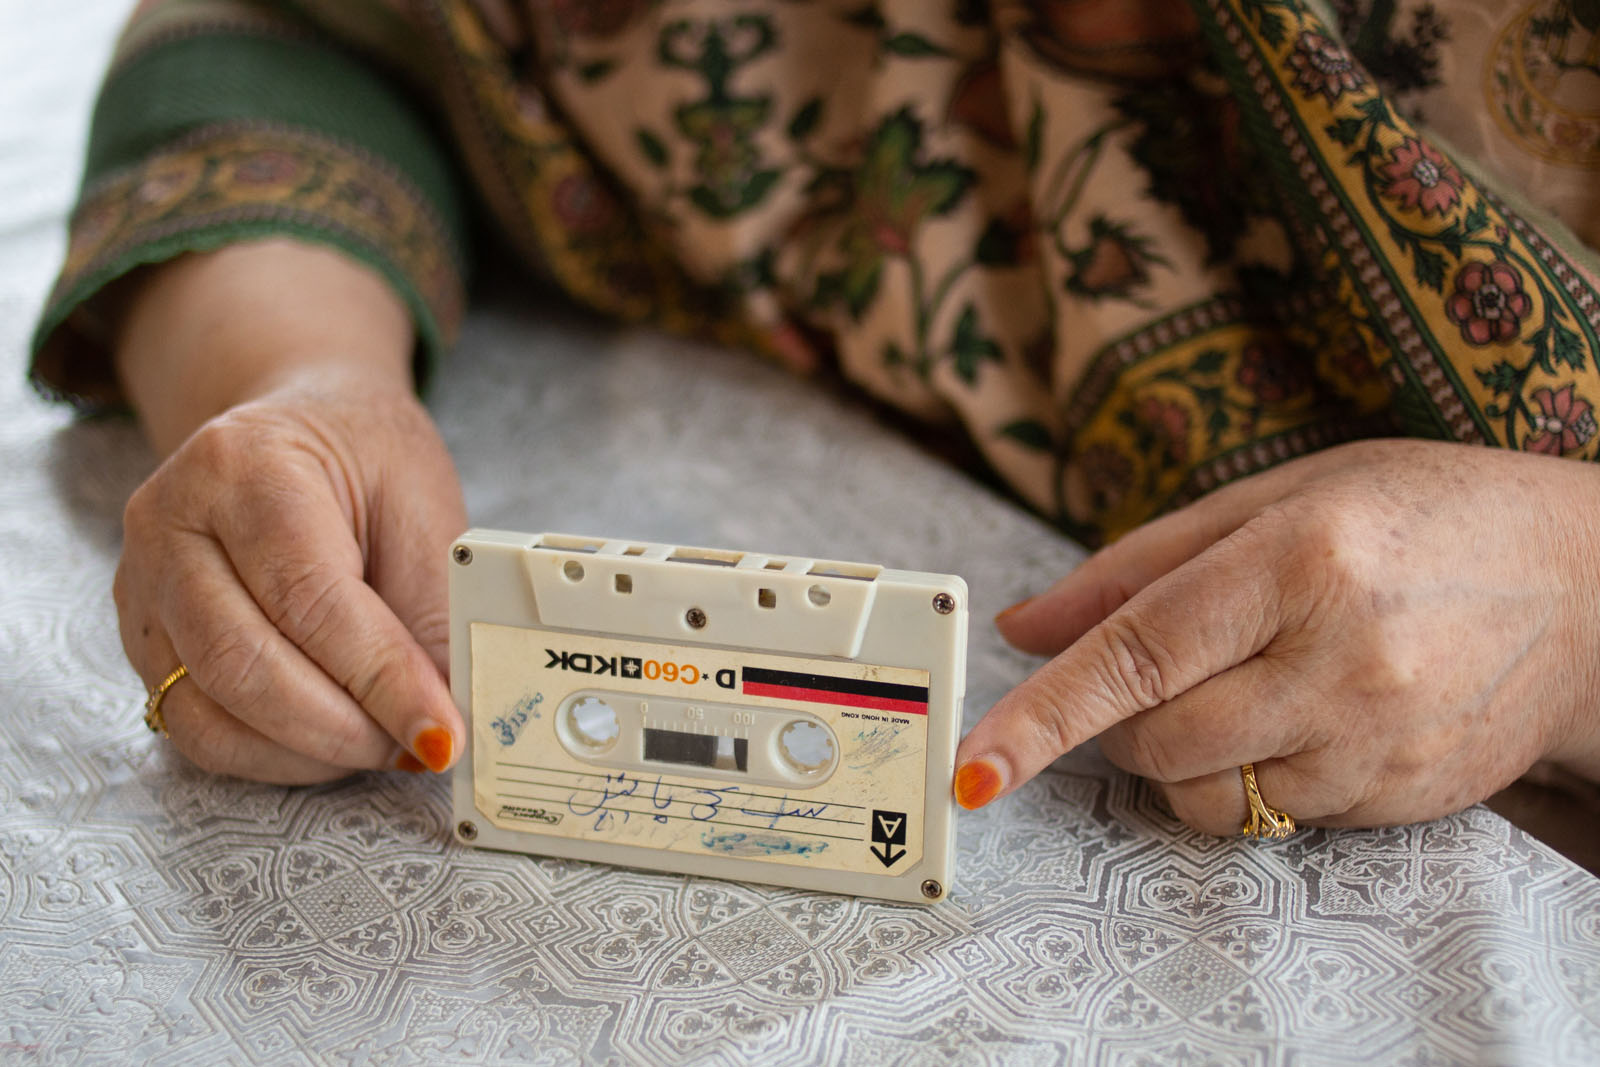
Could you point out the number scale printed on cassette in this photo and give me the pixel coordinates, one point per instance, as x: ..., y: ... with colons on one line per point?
x: 764, y: 718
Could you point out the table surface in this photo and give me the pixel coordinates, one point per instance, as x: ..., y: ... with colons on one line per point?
x: 150, y: 912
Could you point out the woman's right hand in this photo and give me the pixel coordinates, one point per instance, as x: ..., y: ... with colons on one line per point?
x: 292, y: 554
x: 291, y: 550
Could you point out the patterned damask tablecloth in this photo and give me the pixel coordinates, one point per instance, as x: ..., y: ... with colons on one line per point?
x: 152, y: 913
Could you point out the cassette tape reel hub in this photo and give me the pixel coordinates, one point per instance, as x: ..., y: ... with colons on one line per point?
x: 755, y: 717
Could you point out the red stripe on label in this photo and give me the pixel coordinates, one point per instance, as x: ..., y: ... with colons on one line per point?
x: 824, y: 696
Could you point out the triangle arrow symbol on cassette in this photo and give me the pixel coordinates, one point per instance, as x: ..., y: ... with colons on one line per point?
x: 888, y: 830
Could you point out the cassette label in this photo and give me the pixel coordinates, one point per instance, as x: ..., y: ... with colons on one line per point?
x: 699, y: 750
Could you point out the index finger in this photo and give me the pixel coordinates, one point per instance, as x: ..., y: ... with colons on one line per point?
x: 305, y: 571
x: 1209, y: 614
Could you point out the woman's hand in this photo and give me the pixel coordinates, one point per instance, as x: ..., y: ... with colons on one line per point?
x: 291, y: 551
x: 1390, y: 631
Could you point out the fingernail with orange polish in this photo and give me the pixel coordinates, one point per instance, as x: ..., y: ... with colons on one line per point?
x: 1018, y: 606
x: 434, y: 748
x: 409, y: 763
x: 977, y: 783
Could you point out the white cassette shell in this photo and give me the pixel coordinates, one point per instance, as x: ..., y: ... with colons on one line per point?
x: 736, y: 715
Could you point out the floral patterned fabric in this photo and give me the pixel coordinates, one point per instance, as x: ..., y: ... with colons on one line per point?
x: 1135, y: 249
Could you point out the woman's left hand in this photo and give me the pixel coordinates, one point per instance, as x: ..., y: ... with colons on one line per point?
x: 1390, y: 631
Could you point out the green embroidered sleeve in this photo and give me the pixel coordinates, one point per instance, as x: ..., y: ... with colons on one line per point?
x: 213, y: 130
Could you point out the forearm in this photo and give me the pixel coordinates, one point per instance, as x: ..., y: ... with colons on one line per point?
x: 215, y: 131
x: 205, y: 332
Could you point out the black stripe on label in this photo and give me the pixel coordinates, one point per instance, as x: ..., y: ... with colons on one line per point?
x: 833, y: 684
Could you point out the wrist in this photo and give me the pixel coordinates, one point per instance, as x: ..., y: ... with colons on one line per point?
x: 206, y: 332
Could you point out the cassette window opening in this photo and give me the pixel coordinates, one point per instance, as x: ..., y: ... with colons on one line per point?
x: 718, y: 752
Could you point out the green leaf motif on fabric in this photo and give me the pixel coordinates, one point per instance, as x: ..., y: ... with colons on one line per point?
x: 1568, y: 348
x: 1269, y: 23
x: 1501, y: 378
x: 590, y: 73
x: 1477, y: 218
x: 1209, y: 361
x: 1346, y: 130
x: 1404, y: 59
x: 651, y: 146
x: 1429, y: 267
x: 886, y: 198
x: 970, y: 348
x: 906, y: 44
x: 805, y: 119
x: 1560, y: 20
x: 856, y: 286
x: 1555, y: 344
x: 726, y: 203
x: 881, y: 204
x: 1000, y: 244
x: 1376, y: 111
x: 907, y: 191
x: 722, y: 125
x: 1033, y: 144
x: 912, y: 45
x: 1030, y: 433
x: 1216, y: 425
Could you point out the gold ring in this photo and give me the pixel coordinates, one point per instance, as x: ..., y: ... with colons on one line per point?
x: 1264, y: 820
x: 152, y: 705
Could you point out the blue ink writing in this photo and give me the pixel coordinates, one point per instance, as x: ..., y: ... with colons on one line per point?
x: 506, y: 729
x: 784, y: 811
x: 616, y: 786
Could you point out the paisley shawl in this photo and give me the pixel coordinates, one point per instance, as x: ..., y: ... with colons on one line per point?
x: 1132, y: 250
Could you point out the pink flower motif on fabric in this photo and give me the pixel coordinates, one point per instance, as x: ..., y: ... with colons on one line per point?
x: 1565, y: 422
x: 1488, y: 303
x: 1321, y: 65
x: 1170, y: 425
x: 1272, y: 375
x: 583, y: 205
x: 1419, y: 176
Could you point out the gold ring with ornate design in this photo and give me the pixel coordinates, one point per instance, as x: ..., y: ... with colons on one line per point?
x: 1264, y: 820
x: 152, y: 705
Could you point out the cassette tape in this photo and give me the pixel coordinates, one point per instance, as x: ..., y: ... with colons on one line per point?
x: 736, y: 715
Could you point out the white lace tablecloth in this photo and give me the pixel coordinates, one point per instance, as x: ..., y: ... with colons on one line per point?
x: 149, y: 913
